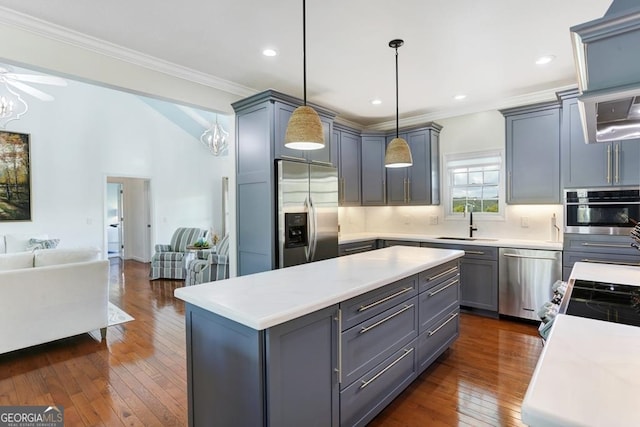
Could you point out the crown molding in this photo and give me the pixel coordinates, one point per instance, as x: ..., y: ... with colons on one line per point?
x: 514, y: 101
x: 61, y: 34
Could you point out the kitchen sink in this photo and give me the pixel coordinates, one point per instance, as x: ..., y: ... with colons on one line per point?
x: 466, y: 238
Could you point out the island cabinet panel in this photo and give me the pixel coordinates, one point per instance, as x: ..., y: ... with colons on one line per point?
x: 364, y: 399
x: 282, y: 376
x: 436, y: 339
x: 436, y: 301
x: 370, y: 342
x: 363, y: 307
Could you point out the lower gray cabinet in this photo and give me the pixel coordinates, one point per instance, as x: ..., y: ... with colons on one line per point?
x: 232, y: 369
x: 357, y: 247
x: 596, y: 248
x: 437, y: 338
x: 389, y: 243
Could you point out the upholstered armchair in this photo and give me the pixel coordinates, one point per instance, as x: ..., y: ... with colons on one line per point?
x: 169, y: 260
x: 209, y: 266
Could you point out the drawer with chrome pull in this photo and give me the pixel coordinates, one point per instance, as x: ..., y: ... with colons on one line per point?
x: 434, y: 302
x: 438, y: 337
x: 365, y: 398
x: 363, y: 307
x: 437, y: 275
x: 365, y: 345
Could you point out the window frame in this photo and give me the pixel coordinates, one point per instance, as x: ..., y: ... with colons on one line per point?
x: 469, y: 158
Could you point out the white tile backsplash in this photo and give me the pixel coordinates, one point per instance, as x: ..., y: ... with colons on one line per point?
x: 420, y: 220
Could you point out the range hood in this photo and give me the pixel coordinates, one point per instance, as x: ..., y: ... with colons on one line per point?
x: 607, y: 57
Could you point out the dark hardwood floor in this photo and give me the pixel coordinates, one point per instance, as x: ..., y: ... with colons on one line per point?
x: 138, y: 376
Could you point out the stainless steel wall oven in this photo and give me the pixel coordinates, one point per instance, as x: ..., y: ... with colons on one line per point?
x: 602, y: 210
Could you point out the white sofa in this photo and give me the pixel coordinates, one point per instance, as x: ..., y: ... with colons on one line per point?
x: 49, y: 294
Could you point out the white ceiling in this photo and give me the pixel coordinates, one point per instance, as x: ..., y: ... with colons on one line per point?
x: 483, y: 48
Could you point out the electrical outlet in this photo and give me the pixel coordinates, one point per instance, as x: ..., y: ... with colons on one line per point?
x: 433, y: 220
x: 524, y: 222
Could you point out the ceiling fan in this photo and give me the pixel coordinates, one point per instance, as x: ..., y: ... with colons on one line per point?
x: 12, y: 106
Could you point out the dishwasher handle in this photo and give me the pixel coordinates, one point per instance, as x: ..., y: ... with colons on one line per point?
x: 530, y: 257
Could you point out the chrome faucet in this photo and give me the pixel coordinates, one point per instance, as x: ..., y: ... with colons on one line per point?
x: 471, y: 227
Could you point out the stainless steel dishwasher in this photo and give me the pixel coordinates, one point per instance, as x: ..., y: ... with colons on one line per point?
x: 525, y: 279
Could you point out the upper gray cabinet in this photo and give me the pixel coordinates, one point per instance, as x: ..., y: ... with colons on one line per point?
x: 373, y: 170
x: 348, y: 143
x: 419, y: 183
x: 598, y: 164
x: 533, y: 154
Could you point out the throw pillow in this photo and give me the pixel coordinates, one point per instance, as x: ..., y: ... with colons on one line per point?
x: 42, y: 244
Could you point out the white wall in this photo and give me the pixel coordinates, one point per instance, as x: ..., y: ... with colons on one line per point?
x: 464, y: 134
x: 89, y: 133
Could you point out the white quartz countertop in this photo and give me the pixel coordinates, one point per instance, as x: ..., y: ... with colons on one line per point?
x: 478, y: 241
x: 588, y: 375
x: 266, y: 299
x: 589, y: 371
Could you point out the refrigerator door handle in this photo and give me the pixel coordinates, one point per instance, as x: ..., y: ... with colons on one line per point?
x: 313, y: 232
x: 307, y: 249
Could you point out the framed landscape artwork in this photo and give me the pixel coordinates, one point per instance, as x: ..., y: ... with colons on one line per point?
x: 15, y: 177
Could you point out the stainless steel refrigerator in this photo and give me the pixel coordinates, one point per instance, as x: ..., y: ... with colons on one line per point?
x: 307, y: 212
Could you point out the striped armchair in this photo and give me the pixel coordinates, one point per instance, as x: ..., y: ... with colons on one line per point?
x: 169, y: 260
x: 209, y: 266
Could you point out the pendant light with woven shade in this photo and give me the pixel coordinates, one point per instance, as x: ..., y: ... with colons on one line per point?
x: 304, y: 131
x: 398, y: 154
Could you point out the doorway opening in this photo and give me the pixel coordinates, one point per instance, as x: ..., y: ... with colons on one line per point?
x: 128, y: 218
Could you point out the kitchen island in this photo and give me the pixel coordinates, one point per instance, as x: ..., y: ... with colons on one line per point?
x: 326, y: 343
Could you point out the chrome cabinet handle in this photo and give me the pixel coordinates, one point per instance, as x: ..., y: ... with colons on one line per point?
x: 319, y: 162
x: 338, y: 369
x: 474, y: 252
x: 617, y: 165
x: 384, y: 191
x: 455, y: 281
x: 609, y: 163
x: 408, y: 191
x: 444, y: 273
x: 452, y: 316
x: 392, y: 296
x: 604, y: 245
x: 407, y: 351
x: 359, y: 248
x: 389, y: 317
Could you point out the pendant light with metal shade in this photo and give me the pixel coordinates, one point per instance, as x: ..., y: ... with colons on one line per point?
x: 398, y: 154
x: 304, y: 131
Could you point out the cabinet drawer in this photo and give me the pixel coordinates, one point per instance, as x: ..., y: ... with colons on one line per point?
x: 365, y: 398
x: 437, y: 338
x: 603, y: 244
x: 437, y: 275
x: 437, y: 301
x: 357, y: 247
x: 365, y: 306
x: 570, y: 258
x: 389, y: 243
x: 470, y: 251
x: 370, y: 342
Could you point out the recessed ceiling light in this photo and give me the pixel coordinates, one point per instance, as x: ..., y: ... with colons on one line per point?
x: 545, y: 59
x: 376, y: 101
x: 459, y: 97
x: 269, y: 52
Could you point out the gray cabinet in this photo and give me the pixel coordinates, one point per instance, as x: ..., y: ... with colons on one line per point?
x: 594, y: 165
x: 373, y: 170
x: 348, y: 143
x: 285, y: 377
x: 533, y: 154
x: 478, y: 275
x: 418, y: 184
x: 326, y: 155
x: 596, y: 248
x: 261, y: 122
x: 357, y: 247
